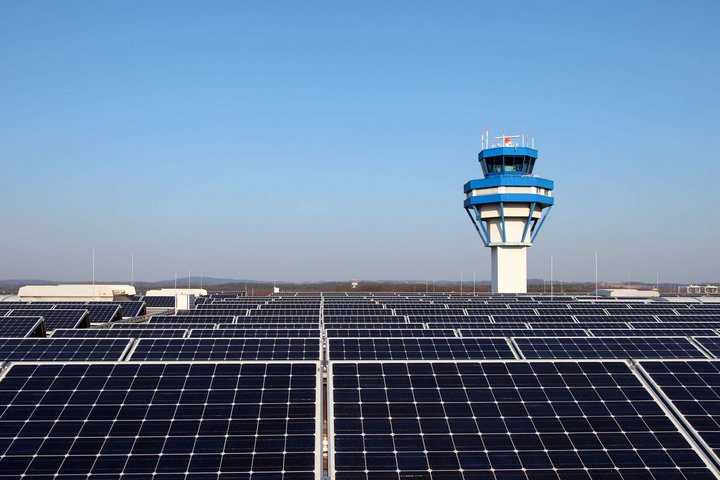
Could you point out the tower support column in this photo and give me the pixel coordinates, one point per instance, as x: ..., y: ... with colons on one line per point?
x: 509, y: 269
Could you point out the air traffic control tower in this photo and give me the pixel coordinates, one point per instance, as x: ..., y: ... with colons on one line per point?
x: 508, y: 207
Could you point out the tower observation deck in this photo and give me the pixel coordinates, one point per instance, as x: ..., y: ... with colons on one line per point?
x: 508, y: 207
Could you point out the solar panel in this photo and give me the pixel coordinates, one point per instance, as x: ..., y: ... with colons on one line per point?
x: 160, y: 326
x: 162, y: 421
x: 688, y: 317
x: 389, y: 332
x: 256, y: 333
x: 394, y: 326
x: 692, y: 388
x: 227, y: 349
x: 279, y: 319
x: 579, y: 325
x: 711, y: 344
x: 119, y: 333
x: 663, y: 332
x: 533, y: 318
x: 607, y: 347
x: 448, y: 318
x: 102, y: 312
x: 191, y: 319
x: 364, y: 318
x: 476, y: 325
x: 676, y: 325
x: 284, y: 312
x: 265, y: 326
x: 31, y: 326
x: 501, y: 421
x: 424, y: 310
x: 616, y: 318
x: 63, y: 349
x: 403, y: 348
x: 160, y: 301
x: 60, y: 318
x: 133, y: 309
x: 522, y: 332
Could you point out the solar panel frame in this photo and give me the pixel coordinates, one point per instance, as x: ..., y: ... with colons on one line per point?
x: 189, y: 473
x: 365, y: 382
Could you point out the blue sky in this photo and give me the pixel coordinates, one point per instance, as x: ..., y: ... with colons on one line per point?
x: 330, y: 140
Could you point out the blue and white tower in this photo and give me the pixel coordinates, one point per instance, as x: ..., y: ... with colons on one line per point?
x: 508, y: 207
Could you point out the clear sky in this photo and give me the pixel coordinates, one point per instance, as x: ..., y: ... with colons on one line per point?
x: 323, y: 140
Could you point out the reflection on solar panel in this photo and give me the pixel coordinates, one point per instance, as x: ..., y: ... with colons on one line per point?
x: 119, y: 332
x: 400, y: 332
x: 159, y: 302
x: 661, y: 332
x: 403, y: 348
x: 711, y: 344
x: 192, y: 319
x: 57, y: 318
x: 63, y: 349
x: 522, y: 332
x: 607, y: 347
x: 31, y: 326
x: 501, y: 420
x: 162, y: 421
x: 257, y: 333
x: 227, y: 349
x: 693, y: 388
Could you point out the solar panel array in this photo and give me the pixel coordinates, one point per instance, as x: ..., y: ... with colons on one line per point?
x: 427, y: 386
x: 160, y: 420
x: 540, y: 420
